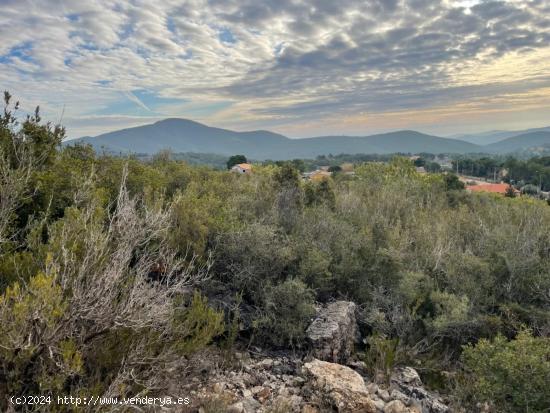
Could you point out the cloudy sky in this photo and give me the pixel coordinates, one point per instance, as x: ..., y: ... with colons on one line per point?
x: 297, y: 67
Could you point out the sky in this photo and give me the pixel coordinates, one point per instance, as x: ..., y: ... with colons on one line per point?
x: 301, y: 68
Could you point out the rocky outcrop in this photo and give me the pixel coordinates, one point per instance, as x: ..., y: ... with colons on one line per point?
x: 407, y: 386
x: 339, y: 386
x: 255, y: 383
x: 333, y: 332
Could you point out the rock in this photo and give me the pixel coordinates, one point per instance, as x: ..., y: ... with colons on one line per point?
x: 218, y: 387
x: 359, y: 366
x: 436, y: 406
x: 308, y: 408
x: 246, y: 393
x: 372, y: 388
x: 266, y: 364
x: 407, y: 376
x: 298, y: 381
x: 263, y: 394
x: 384, y: 395
x: 256, y: 389
x: 396, y: 406
x: 397, y: 395
x: 332, y: 333
x: 250, y: 405
x: 407, y: 386
x: 340, y: 386
x: 249, y: 379
x: 379, y: 405
x: 236, y: 408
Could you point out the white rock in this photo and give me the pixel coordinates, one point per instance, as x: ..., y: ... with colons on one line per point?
x: 344, y: 387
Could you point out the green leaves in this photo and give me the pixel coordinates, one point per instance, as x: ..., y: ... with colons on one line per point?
x: 512, y: 376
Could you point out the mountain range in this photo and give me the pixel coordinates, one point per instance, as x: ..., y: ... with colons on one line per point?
x: 182, y: 135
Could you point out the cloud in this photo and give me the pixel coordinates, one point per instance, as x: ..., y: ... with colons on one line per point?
x: 272, y: 63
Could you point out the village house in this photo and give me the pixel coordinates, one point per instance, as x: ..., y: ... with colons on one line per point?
x: 493, y: 188
x: 317, y: 176
x: 242, y: 168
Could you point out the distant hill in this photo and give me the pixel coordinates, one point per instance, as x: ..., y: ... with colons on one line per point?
x: 523, y: 142
x: 401, y: 141
x: 487, y: 138
x: 181, y: 135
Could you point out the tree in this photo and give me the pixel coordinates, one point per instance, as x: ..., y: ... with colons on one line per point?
x: 235, y: 160
x: 452, y: 182
x: 530, y: 189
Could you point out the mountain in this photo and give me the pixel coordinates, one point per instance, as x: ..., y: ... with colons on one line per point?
x: 523, y: 142
x: 401, y: 141
x: 181, y: 135
x: 487, y: 138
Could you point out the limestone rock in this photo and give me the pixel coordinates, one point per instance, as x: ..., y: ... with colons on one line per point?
x: 396, y: 406
x: 407, y: 376
x: 340, y: 386
x: 236, y: 408
x: 407, y: 385
x: 250, y: 405
x: 332, y: 333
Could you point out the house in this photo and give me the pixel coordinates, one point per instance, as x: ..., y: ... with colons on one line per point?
x: 318, y: 176
x: 242, y: 168
x: 493, y: 188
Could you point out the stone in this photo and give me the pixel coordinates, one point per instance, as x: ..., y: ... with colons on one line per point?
x: 359, y: 366
x: 436, y: 406
x: 246, y: 393
x: 249, y: 379
x: 396, y: 406
x: 384, y: 395
x: 218, y: 387
x: 397, y: 395
x: 250, y: 405
x: 263, y: 394
x: 236, y: 408
x: 379, y: 405
x: 408, y: 388
x: 407, y: 376
x: 340, y: 386
x: 308, y: 408
x: 332, y: 333
x: 372, y: 388
x: 266, y: 363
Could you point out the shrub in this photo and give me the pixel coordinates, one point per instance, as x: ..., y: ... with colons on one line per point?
x: 288, y: 310
x: 512, y: 376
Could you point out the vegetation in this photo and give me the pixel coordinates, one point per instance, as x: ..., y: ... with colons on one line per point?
x: 113, y: 271
x: 534, y: 171
x: 511, y: 376
x: 235, y: 160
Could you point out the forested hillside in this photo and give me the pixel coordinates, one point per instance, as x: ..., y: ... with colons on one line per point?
x: 121, y: 277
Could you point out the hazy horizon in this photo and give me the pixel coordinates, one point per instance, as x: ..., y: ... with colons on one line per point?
x: 447, y: 136
x: 300, y: 68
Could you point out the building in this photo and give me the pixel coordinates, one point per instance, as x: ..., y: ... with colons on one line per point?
x: 242, y: 168
x: 317, y: 176
x: 493, y: 188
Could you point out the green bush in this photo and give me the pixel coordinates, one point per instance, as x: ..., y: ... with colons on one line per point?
x: 288, y: 311
x: 512, y: 376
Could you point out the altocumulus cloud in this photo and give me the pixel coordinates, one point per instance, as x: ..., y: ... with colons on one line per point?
x: 296, y: 66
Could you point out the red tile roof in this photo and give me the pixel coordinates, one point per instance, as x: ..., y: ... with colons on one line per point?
x: 495, y: 188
